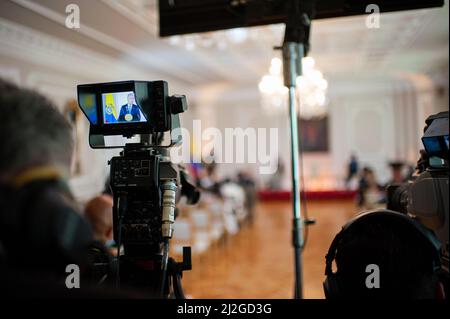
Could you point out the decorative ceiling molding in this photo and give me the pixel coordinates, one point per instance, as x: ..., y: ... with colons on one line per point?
x: 129, y: 51
x: 146, y: 19
x: 40, y: 49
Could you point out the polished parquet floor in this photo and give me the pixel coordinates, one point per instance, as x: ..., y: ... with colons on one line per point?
x: 258, y: 262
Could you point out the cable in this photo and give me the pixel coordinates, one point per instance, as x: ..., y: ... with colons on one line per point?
x: 119, y: 243
x: 121, y: 209
x: 178, y: 288
x: 164, y: 262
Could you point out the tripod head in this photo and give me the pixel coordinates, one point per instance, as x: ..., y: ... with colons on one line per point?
x: 298, y: 22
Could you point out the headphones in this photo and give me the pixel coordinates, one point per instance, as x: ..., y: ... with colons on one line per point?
x: 331, y: 284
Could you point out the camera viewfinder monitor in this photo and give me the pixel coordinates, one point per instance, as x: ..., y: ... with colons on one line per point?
x: 435, y: 139
x: 124, y: 109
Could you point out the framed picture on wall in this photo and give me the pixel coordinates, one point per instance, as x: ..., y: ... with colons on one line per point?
x: 314, y: 134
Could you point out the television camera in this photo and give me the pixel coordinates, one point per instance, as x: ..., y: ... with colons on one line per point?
x: 425, y: 196
x: 146, y: 185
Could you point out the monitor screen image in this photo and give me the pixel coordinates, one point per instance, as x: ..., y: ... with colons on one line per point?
x: 121, y: 108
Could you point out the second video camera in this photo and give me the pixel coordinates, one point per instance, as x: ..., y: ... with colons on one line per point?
x: 425, y: 196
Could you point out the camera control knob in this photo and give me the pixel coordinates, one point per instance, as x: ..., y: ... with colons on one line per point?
x: 177, y: 103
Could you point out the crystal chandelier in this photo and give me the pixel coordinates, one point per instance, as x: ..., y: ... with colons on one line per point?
x: 273, y: 91
x: 311, y: 92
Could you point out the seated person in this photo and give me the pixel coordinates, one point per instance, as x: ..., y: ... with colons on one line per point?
x: 98, y: 212
x: 369, y: 195
x: 41, y: 230
x: 130, y: 112
x: 406, y: 256
x: 35, y: 200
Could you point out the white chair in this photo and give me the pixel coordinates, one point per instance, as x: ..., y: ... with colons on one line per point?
x: 182, y: 236
x: 217, y: 220
x: 230, y: 220
x: 202, y: 238
x: 235, y: 196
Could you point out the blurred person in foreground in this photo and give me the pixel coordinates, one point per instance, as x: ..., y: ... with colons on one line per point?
x: 41, y: 230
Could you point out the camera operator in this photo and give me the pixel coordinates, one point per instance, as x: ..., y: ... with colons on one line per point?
x: 41, y: 231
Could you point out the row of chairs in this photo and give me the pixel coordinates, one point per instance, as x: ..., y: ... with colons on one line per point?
x: 208, y: 223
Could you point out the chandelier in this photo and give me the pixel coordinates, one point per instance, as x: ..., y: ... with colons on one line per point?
x: 311, y: 92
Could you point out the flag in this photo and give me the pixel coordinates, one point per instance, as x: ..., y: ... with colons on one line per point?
x: 110, y: 109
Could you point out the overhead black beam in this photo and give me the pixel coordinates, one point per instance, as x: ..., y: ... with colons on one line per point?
x: 192, y: 16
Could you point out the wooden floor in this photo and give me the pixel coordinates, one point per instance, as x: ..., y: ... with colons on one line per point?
x: 258, y: 262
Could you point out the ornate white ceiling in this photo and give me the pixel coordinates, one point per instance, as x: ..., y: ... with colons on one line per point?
x: 120, y: 38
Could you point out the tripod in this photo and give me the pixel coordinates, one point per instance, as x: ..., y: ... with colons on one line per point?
x: 146, y: 275
x: 295, y: 47
x: 175, y: 273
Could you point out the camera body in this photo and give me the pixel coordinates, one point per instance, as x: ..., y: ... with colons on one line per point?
x: 146, y: 185
x: 135, y: 183
x: 425, y: 196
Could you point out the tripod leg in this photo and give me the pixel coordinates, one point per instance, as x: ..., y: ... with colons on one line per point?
x: 177, y: 287
x: 292, y: 55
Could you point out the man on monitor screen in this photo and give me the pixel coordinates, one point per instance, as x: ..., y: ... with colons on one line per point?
x: 130, y: 112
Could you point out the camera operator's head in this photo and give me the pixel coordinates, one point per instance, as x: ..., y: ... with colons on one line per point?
x: 34, y: 133
x: 383, y: 254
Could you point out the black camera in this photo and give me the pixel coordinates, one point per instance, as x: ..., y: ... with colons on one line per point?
x: 425, y: 196
x: 146, y: 185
